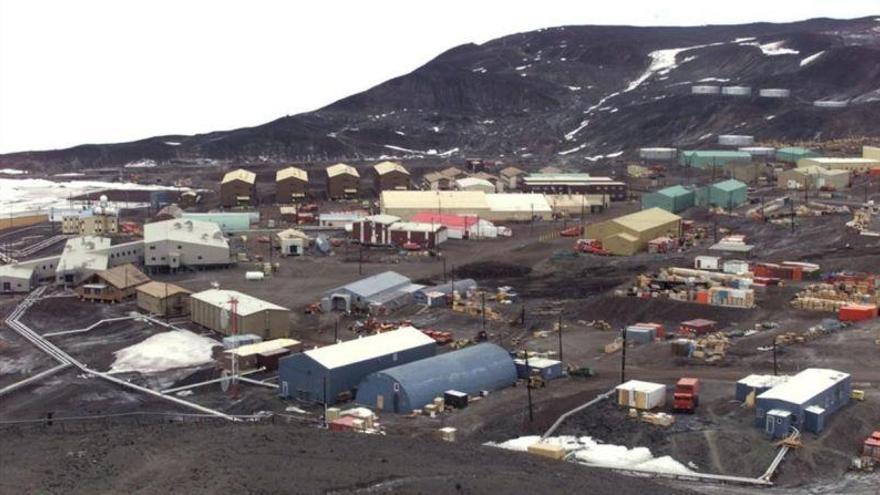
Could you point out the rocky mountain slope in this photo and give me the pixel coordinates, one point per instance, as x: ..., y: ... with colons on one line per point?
x: 566, y: 94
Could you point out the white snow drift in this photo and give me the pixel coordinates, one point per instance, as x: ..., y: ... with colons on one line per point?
x: 164, y: 351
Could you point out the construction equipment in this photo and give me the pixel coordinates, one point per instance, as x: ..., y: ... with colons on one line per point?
x: 686, y: 396
x: 601, y: 325
x: 442, y: 338
x: 536, y: 380
x: 583, y: 371
x: 858, y: 395
x: 590, y: 246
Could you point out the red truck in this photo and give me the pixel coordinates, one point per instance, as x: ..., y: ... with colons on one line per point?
x: 686, y: 397
x: 590, y: 246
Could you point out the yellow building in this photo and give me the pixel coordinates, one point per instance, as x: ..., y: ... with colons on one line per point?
x: 629, y: 234
x: 853, y: 164
x: 872, y: 152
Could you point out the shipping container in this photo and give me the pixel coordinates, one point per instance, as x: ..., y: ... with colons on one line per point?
x: 641, y: 395
x: 857, y: 312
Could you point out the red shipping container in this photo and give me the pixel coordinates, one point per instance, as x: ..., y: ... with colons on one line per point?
x: 344, y: 423
x: 857, y: 312
x: 703, y: 297
x: 696, y: 327
x: 874, y: 172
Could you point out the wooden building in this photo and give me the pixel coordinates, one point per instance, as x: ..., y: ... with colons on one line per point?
x: 163, y: 299
x: 291, y: 185
x: 238, y: 188
x: 113, y: 285
x: 390, y: 176
x: 342, y: 181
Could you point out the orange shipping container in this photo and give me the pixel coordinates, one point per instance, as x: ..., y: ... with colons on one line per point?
x: 703, y: 297
x: 857, y: 312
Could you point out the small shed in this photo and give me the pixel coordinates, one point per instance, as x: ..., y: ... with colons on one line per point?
x: 163, y: 299
x: 509, y: 178
x: 471, y: 370
x: 548, y: 369
x: 14, y: 278
x: 343, y: 181
x: 463, y: 286
x: 474, y: 184
x: 425, y: 235
x: 293, y: 242
x: 757, y: 384
x: 674, y: 199
x: 707, y: 262
x: 641, y: 395
x: 329, y: 373
x: 386, y: 290
x: 436, y: 181
x: 268, y: 351
x: 113, y: 285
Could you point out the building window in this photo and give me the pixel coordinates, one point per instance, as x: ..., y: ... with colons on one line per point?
x: 152, y: 248
x: 153, y: 258
x: 200, y: 256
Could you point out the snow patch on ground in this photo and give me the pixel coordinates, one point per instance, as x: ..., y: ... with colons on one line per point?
x: 12, y: 171
x: 714, y: 79
x: 435, y: 129
x: 662, y: 62
x: 420, y: 153
x: 704, y: 136
x: 34, y: 195
x: 400, y: 133
x: 773, y: 48
x: 740, y: 40
x: 481, y: 70
x: 573, y: 88
x: 573, y: 150
x: 811, y: 58
x: 770, y: 117
x: 585, y: 450
x: 172, y: 143
x: 165, y: 351
x: 487, y: 121
x: 570, y: 135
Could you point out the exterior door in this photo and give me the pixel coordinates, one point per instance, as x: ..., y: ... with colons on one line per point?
x: 7, y: 286
x: 284, y: 390
x: 770, y: 423
x: 380, y: 402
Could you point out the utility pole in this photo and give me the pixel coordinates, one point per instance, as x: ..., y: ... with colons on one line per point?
x: 483, y: 308
x: 522, y: 315
x: 529, y: 385
x: 336, y: 330
x: 623, y: 357
x: 325, y: 401
x: 559, y: 324
x: 361, y: 260
x: 791, y: 208
x: 775, y: 364
x: 444, y: 268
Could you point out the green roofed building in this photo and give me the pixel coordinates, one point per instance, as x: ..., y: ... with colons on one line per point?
x: 674, y: 199
x: 793, y: 154
x: 706, y: 159
x: 726, y: 194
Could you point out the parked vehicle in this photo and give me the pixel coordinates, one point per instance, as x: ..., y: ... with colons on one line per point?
x: 686, y: 396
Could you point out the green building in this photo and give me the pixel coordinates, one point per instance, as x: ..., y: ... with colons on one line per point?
x: 673, y: 199
x: 729, y: 193
x: 793, y: 154
x: 706, y: 159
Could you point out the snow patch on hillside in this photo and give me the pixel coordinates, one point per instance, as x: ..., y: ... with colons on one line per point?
x: 12, y: 171
x: 811, y: 58
x: 772, y: 49
x: 34, y: 195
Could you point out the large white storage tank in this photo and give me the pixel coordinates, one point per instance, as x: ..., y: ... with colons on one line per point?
x: 831, y: 103
x: 735, y: 140
x: 705, y: 89
x: 759, y: 151
x: 736, y: 90
x: 658, y: 153
x: 774, y: 93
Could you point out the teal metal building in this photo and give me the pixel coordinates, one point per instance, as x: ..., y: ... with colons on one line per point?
x: 227, y: 221
x: 673, y: 199
x: 729, y: 193
x: 706, y: 159
x: 793, y: 154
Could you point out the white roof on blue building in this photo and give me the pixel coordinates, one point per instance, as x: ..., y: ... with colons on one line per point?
x: 805, y: 385
x: 366, y: 348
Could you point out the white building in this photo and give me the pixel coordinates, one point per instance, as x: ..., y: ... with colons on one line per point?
x: 474, y: 184
x: 176, y: 243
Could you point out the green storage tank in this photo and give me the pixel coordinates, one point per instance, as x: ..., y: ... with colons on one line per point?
x: 706, y: 159
x: 673, y: 199
x: 793, y: 154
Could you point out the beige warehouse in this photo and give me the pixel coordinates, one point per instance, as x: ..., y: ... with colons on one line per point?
x: 163, y: 299
x: 860, y: 165
x: 813, y: 177
x: 405, y: 204
x: 211, y: 309
x: 629, y: 234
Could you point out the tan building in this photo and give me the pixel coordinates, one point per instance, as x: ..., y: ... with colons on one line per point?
x: 436, y: 181
x: 813, y: 177
x: 629, y: 234
x: 744, y: 172
x: 212, y: 309
x: 291, y: 185
x: 453, y: 173
x: 163, y: 299
x: 872, y: 152
x: 90, y: 224
x: 390, y: 176
x: 238, y: 188
x: 343, y: 181
x: 405, y: 204
x: 113, y: 285
x: 509, y: 178
x: 855, y: 165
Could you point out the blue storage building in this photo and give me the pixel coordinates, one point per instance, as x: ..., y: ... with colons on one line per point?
x: 411, y: 386
x: 805, y: 401
x: 341, y: 367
